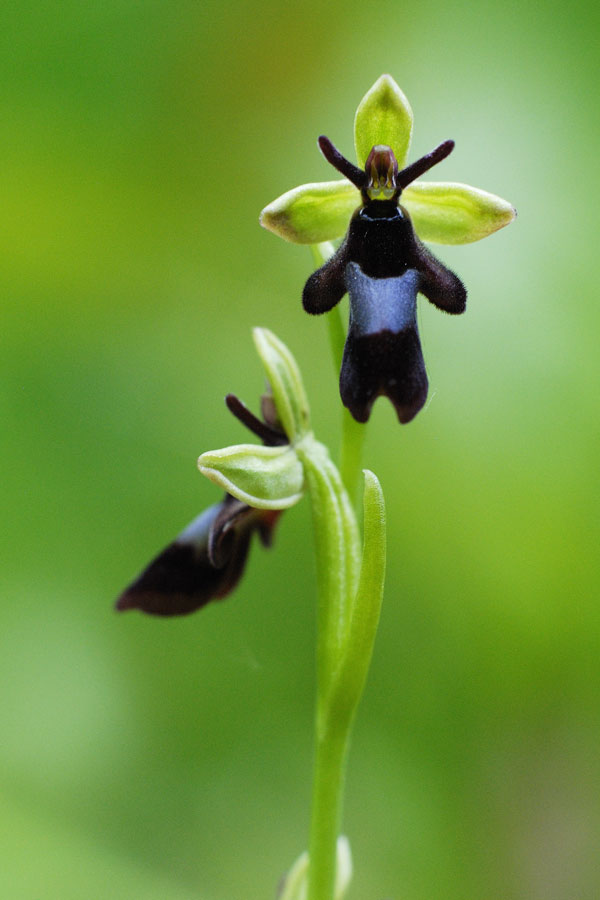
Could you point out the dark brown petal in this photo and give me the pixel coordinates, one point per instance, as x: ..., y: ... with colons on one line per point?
x: 439, y: 284
x: 343, y: 165
x: 326, y: 286
x: 422, y: 165
x: 270, y: 436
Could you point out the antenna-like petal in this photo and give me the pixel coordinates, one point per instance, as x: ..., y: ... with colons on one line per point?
x: 416, y: 169
x: 343, y: 165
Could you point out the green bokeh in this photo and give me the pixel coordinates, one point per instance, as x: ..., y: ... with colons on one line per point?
x: 147, y: 758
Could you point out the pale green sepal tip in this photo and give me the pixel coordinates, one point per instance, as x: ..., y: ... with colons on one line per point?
x: 284, y: 377
x: 264, y: 477
x: 295, y: 884
x: 312, y: 213
x: 383, y: 116
x: 452, y: 213
x: 343, y: 875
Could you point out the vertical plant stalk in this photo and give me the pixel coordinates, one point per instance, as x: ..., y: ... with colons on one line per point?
x: 351, y: 452
x: 328, y: 788
x: 348, y: 607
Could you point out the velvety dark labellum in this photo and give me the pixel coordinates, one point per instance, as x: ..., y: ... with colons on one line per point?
x: 383, y: 265
x: 204, y: 563
x: 383, y: 352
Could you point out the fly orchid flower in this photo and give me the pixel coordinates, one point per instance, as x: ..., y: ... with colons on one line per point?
x: 206, y: 561
x: 382, y: 264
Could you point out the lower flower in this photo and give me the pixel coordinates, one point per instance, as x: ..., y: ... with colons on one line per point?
x: 204, y: 563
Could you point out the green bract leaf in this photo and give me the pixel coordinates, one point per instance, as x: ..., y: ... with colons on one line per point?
x: 265, y: 477
x: 383, y: 116
x: 312, y: 213
x: 337, y: 549
x: 451, y: 213
x: 284, y: 377
x: 367, y: 604
x: 366, y: 608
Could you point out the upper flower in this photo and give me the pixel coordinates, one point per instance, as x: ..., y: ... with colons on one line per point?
x: 382, y: 263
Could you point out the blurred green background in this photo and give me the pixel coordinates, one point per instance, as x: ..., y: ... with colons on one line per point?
x: 172, y: 759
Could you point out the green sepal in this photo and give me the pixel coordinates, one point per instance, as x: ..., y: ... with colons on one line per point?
x: 452, y: 213
x: 312, y: 213
x: 265, y: 477
x: 284, y: 377
x: 383, y: 116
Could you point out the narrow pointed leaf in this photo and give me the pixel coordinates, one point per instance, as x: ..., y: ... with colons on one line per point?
x: 343, y: 875
x: 284, y: 377
x: 264, y: 477
x: 364, y: 618
x: 452, y: 213
x: 337, y: 551
x: 383, y: 116
x: 312, y: 213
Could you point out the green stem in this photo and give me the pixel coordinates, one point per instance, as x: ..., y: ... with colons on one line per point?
x: 350, y: 590
x: 328, y: 785
x: 353, y: 439
x: 349, y: 603
x: 337, y: 336
x: 337, y: 554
